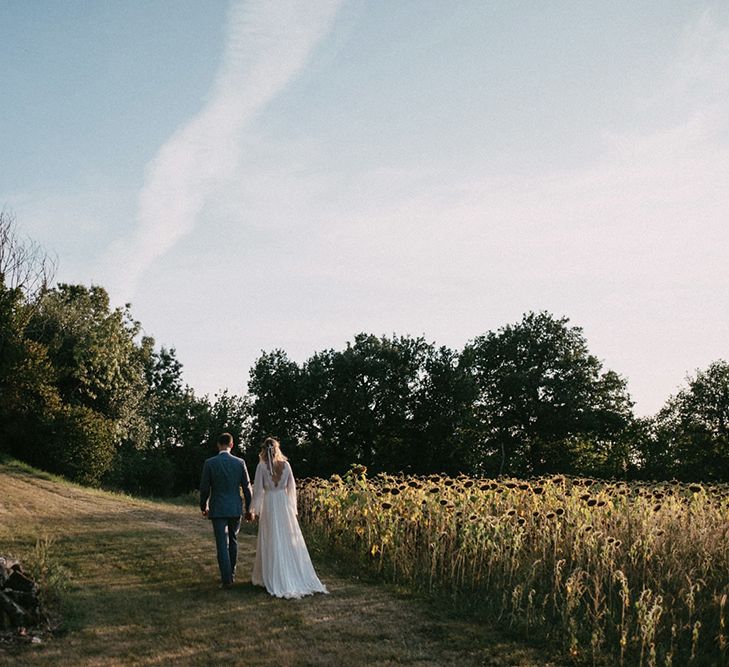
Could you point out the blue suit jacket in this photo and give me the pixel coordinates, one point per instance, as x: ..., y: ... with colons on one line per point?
x: 222, y: 478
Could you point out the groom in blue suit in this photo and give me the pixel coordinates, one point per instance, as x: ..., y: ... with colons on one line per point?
x: 222, y: 478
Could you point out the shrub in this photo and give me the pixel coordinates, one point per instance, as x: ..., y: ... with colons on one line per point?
x: 81, y: 446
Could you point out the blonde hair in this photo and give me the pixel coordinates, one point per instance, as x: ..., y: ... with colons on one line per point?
x: 272, y: 457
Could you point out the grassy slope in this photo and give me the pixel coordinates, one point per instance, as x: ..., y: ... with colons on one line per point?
x: 144, y: 592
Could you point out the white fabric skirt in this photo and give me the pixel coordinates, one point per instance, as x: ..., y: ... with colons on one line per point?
x: 283, y: 564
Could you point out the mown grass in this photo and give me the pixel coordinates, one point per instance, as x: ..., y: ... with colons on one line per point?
x: 637, y: 574
x: 137, y: 584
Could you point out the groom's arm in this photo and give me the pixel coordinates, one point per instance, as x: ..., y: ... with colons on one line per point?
x: 204, y: 488
x: 245, y: 482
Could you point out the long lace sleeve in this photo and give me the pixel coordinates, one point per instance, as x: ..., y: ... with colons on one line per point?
x: 291, y: 490
x: 258, y: 491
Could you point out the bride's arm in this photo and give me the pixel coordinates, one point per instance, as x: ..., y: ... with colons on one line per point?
x: 291, y: 489
x: 258, y: 491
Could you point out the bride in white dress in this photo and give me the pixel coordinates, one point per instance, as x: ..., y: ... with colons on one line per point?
x: 282, y: 562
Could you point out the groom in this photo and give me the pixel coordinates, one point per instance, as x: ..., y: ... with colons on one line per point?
x: 222, y: 477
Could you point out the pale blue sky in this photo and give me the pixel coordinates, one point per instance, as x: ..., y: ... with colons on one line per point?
x: 283, y: 174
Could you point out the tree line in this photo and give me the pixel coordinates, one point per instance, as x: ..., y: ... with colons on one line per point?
x: 528, y: 399
x: 84, y: 393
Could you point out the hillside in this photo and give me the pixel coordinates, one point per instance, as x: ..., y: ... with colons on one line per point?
x: 143, y: 591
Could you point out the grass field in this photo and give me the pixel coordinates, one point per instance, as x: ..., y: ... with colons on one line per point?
x: 141, y: 588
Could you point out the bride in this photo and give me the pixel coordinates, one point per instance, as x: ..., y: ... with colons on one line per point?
x: 282, y: 562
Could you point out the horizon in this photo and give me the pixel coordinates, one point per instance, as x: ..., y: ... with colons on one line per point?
x: 258, y: 176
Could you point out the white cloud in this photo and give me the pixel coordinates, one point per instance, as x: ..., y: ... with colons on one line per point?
x: 268, y: 43
x: 630, y: 245
x: 700, y: 69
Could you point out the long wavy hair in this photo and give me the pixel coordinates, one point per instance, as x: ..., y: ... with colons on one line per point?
x: 272, y: 457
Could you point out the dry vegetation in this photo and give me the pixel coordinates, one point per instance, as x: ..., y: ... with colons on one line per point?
x: 142, y: 590
x: 636, y: 573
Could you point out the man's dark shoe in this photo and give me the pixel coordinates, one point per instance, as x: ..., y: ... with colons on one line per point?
x: 226, y: 587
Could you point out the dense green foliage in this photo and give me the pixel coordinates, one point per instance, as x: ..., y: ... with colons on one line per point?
x: 83, y: 393
x: 526, y: 399
x: 544, y: 403
x: 689, y: 437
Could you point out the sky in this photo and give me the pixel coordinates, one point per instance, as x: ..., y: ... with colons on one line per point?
x: 287, y: 174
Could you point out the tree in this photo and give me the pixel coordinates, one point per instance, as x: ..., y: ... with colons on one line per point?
x: 341, y: 407
x: 526, y: 399
x: 542, y: 397
x: 24, y: 264
x: 90, y: 376
x: 28, y: 398
x: 203, y: 422
x: 275, y: 388
x: 93, y: 350
x: 363, y: 406
x: 690, y: 435
x: 82, y: 393
x: 165, y: 393
x: 230, y: 413
x: 182, y: 430
x: 443, y: 416
x: 81, y: 445
x: 322, y: 448
x: 367, y: 401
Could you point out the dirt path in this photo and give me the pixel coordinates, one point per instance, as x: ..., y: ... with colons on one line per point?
x: 144, y: 592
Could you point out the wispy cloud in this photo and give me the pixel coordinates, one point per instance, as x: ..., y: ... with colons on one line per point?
x: 699, y: 72
x: 268, y: 43
x: 630, y: 243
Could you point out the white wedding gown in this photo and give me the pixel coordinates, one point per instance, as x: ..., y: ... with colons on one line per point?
x: 282, y: 562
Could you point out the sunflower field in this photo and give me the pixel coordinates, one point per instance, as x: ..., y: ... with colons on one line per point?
x: 632, y: 572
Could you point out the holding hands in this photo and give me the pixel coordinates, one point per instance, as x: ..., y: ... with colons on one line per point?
x: 249, y: 517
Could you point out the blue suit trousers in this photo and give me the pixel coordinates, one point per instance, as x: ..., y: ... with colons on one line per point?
x: 226, y: 540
